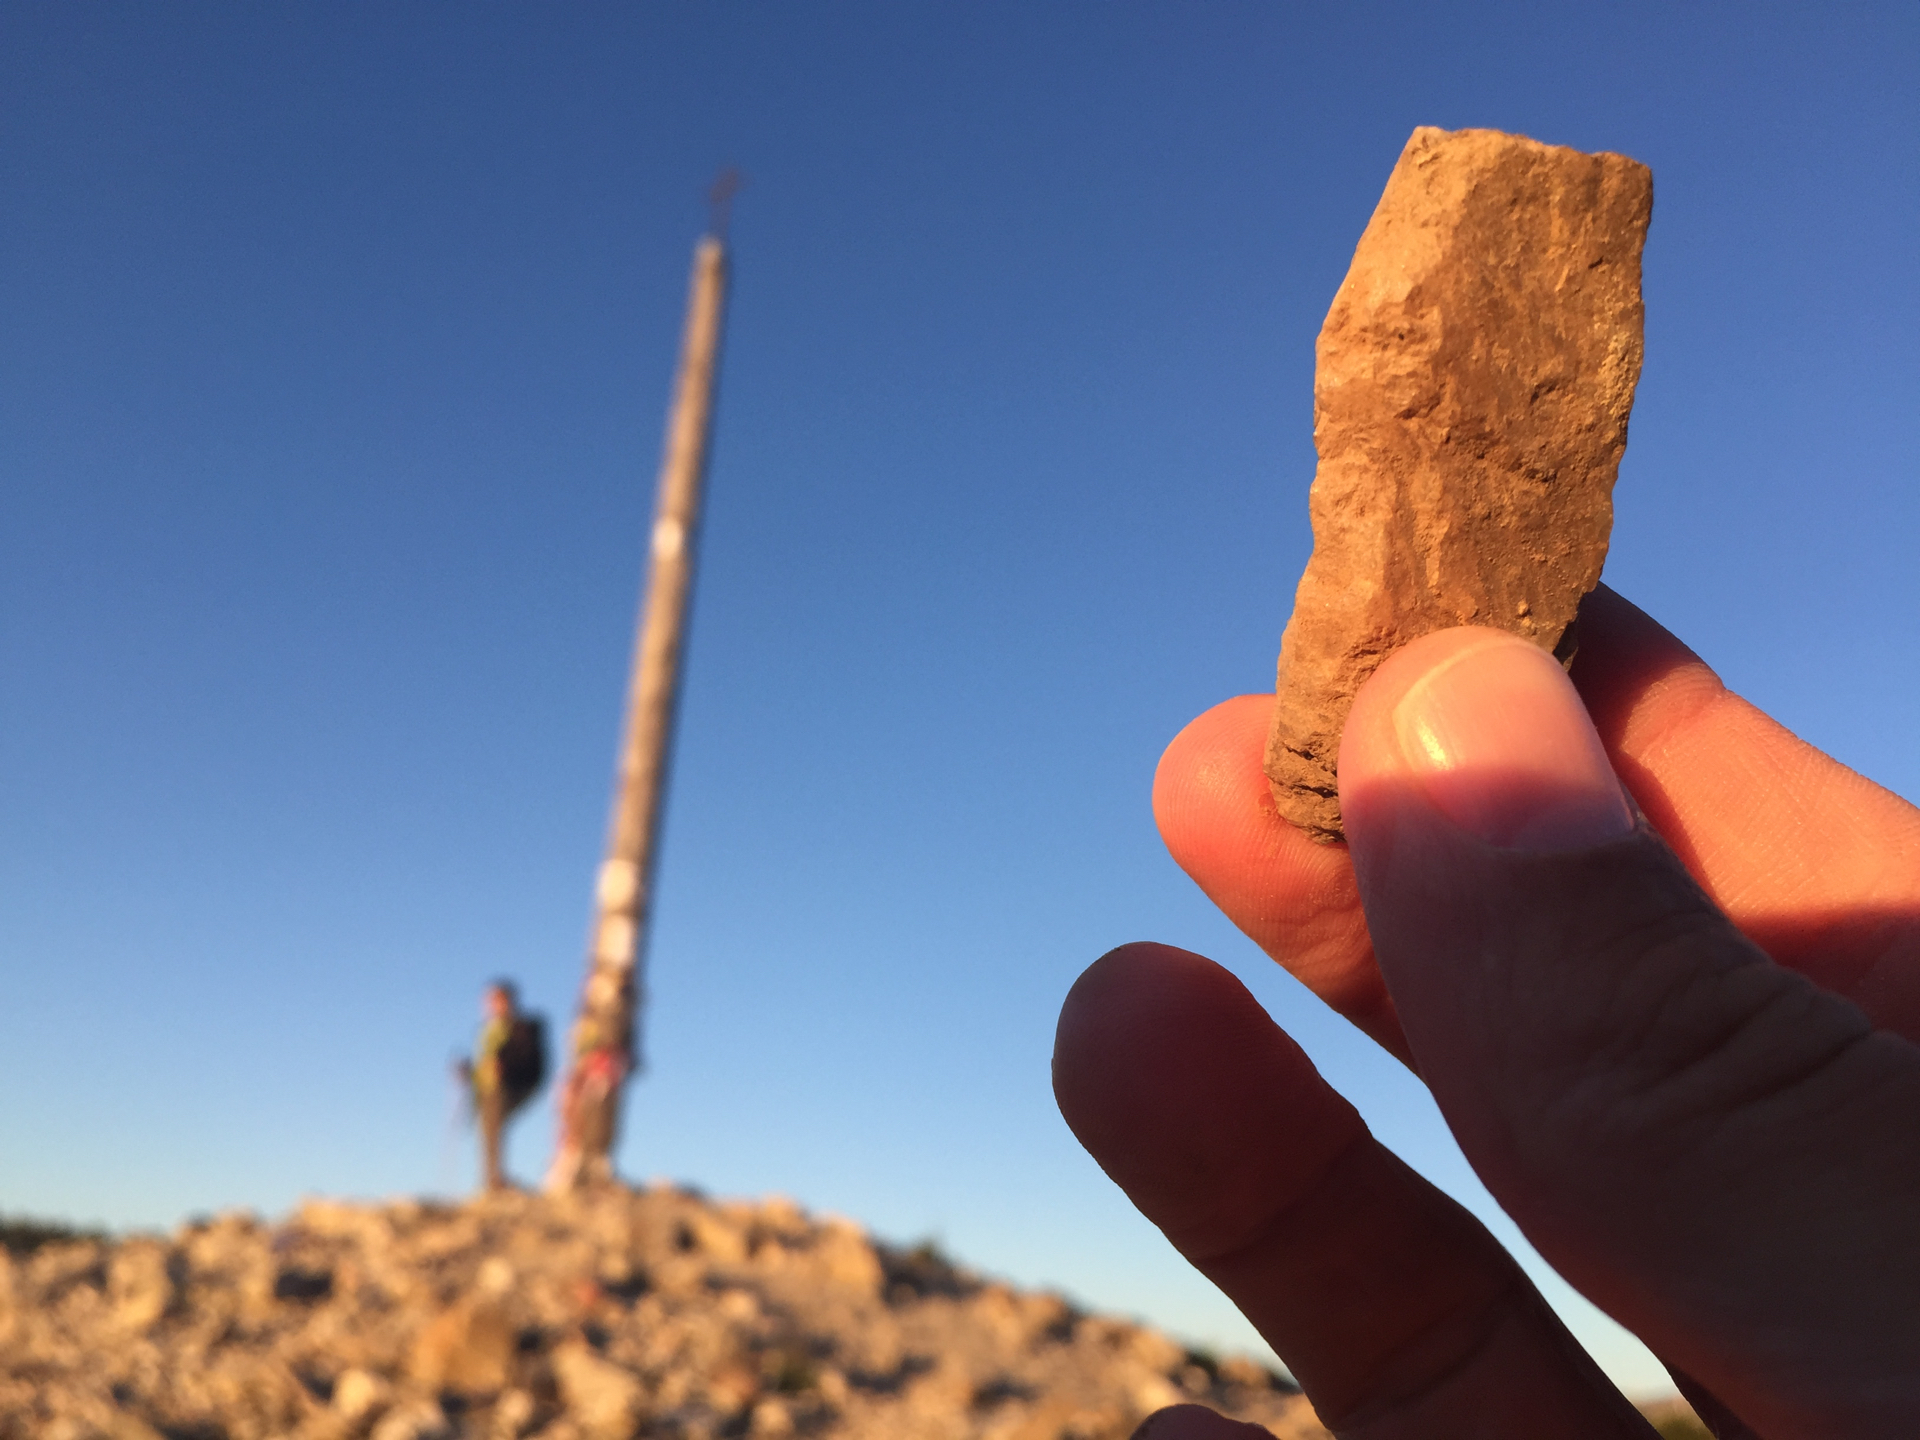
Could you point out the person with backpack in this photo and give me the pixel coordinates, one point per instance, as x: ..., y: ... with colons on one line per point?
x: 508, y: 1067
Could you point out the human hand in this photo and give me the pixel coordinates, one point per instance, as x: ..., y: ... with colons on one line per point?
x: 1717, y: 1146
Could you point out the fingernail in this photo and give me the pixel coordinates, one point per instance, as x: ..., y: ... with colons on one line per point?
x: 1503, y: 747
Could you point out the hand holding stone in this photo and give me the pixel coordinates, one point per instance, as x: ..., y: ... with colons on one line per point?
x: 1701, y: 1112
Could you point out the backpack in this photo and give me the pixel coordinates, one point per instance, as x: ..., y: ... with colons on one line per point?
x: 523, y: 1060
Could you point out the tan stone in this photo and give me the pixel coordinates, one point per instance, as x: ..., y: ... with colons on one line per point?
x: 718, y: 1238
x: 771, y: 1417
x: 468, y: 1350
x: 358, y: 1394
x: 1471, y: 391
x: 10, y: 1307
x: 845, y: 1256
x: 513, y: 1415
x: 122, y: 1426
x: 420, y: 1420
x: 732, y: 1388
x: 605, y: 1399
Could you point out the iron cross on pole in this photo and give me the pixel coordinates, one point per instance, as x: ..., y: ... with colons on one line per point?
x: 604, y: 1050
x: 720, y: 202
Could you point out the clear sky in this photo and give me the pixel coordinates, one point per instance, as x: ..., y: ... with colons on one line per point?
x: 334, y: 348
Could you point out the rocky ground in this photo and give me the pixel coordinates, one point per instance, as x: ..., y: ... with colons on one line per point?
x: 619, y: 1314
x: 623, y: 1313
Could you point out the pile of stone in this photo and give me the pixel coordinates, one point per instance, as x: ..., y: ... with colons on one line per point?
x: 615, y: 1314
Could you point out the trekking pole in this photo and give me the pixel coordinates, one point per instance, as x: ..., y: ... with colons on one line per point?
x: 604, y: 1050
x: 459, y: 1118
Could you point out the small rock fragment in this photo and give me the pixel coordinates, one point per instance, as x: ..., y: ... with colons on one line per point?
x: 606, y: 1399
x: 1471, y: 391
x: 360, y: 1395
x: 143, y: 1280
x: 844, y: 1256
x: 513, y: 1415
x: 770, y: 1417
x: 421, y: 1420
x: 467, y: 1350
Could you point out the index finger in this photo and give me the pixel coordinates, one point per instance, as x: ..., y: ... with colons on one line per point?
x: 1817, y: 865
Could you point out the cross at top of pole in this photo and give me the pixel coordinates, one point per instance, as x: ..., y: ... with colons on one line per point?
x: 725, y: 186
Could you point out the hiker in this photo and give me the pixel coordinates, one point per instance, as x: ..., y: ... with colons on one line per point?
x: 508, y: 1067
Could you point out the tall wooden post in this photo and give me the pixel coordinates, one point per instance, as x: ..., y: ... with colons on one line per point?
x: 603, y: 1050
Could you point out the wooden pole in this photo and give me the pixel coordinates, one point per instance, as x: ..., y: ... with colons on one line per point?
x: 604, y: 1052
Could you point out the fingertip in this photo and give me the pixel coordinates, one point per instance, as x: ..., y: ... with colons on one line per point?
x: 1113, y: 1011
x: 1108, y: 986
x: 1625, y: 654
x: 1139, y: 1042
x: 1293, y: 898
x: 1217, y: 818
x: 1209, y: 784
x: 1176, y: 1081
x: 1194, y: 1422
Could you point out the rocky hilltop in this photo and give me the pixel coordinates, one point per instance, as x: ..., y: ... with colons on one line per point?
x: 610, y: 1315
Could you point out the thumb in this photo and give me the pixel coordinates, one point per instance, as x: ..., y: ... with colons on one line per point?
x: 1717, y: 1152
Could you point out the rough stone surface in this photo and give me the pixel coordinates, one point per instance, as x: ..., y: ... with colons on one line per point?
x: 1471, y: 391
x: 607, y: 1315
x: 468, y: 1350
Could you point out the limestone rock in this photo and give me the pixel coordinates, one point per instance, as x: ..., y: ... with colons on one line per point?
x: 141, y: 1281
x: 1471, y: 391
x: 420, y: 1420
x: 360, y: 1395
x: 468, y: 1350
x: 606, y: 1399
x: 771, y: 1417
x: 845, y: 1257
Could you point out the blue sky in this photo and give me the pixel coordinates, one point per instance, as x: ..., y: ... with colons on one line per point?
x: 334, y: 348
